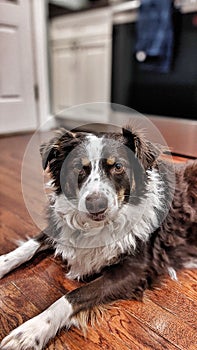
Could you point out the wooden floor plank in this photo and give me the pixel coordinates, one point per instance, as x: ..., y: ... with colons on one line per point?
x: 14, y: 308
x: 14, y: 222
x: 163, y: 323
x: 173, y: 298
x: 165, y: 320
x: 132, y: 332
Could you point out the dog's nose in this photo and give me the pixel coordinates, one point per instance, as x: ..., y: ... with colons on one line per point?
x: 96, y: 203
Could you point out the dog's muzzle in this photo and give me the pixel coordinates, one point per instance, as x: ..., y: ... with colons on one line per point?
x: 96, y: 205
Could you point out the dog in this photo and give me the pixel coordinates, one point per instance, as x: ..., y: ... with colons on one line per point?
x: 120, y: 215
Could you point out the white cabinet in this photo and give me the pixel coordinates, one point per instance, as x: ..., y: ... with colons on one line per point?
x: 93, y: 73
x: 80, y: 59
x: 64, y: 78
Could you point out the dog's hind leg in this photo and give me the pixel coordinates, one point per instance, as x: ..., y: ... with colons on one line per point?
x: 23, y: 253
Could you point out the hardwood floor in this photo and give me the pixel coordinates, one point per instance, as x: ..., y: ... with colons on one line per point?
x: 166, y: 319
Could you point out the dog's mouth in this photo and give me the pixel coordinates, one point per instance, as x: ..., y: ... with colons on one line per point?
x: 100, y: 216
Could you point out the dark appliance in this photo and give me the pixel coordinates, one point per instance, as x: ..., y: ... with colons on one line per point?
x: 169, y: 100
x: 173, y: 94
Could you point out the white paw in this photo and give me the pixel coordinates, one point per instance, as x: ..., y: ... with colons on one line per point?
x: 35, y: 333
x: 4, y: 265
x: 29, y: 336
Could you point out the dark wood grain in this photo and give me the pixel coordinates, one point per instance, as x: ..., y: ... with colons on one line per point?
x: 165, y: 320
x: 14, y: 308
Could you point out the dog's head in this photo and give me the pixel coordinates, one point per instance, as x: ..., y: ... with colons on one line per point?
x: 100, y: 173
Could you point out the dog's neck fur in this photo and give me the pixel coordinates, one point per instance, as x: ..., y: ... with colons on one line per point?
x: 87, y: 250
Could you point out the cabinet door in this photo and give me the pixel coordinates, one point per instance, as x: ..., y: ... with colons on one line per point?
x: 94, y: 78
x: 17, y: 102
x: 64, y: 64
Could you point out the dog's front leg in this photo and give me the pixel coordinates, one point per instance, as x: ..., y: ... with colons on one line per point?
x: 36, y: 332
x: 23, y: 253
x: 122, y: 281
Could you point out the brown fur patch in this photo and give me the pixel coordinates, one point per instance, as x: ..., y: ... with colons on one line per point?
x: 85, y: 161
x: 92, y: 316
x: 111, y: 160
x: 121, y: 194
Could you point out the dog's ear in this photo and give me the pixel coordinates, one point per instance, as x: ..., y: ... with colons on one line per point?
x: 52, y: 149
x: 146, y: 151
x: 48, y: 151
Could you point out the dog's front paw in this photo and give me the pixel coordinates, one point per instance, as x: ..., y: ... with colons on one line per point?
x: 35, y: 333
x: 4, y: 265
x: 28, y: 336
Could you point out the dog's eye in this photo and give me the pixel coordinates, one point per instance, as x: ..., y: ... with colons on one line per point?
x: 118, y: 168
x: 85, y: 171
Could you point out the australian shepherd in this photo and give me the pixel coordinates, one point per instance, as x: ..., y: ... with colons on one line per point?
x: 121, y: 216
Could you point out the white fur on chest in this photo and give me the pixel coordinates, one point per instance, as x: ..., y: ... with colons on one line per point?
x: 87, y: 261
x: 87, y: 250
